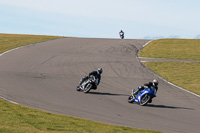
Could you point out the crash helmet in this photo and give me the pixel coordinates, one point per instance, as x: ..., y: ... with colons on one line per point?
x: 99, y: 70
x: 155, y: 82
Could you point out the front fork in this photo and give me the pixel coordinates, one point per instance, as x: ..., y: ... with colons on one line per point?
x: 83, y: 85
x: 133, y: 90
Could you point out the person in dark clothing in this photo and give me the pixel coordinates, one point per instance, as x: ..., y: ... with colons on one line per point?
x: 154, y: 84
x: 121, y: 34
x: 96, y: 74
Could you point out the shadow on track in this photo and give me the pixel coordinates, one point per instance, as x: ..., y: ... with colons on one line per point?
x: 105, y: 93
x: 169, y: 107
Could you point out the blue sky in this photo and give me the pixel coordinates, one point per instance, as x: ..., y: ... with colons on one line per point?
x: 102, y: 18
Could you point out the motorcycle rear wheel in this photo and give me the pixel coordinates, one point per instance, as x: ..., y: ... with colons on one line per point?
x: 87, y: 88
x: 145, y: 99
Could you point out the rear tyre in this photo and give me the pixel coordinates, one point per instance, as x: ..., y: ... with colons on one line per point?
x: 87, y: 88
x: 145, y: 99
x: 130, y: 99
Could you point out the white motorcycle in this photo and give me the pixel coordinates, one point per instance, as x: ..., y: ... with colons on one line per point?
x: 88, y: 84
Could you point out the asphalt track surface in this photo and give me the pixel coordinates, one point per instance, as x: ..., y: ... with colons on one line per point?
x: 45, y: 75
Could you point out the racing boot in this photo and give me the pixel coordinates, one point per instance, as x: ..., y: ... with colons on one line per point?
x: 150, y: 100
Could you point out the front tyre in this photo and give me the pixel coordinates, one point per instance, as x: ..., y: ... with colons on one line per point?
x: 145, y: 99
x: 78, y: 88
x: 87, y: 88
x: 130, y: 99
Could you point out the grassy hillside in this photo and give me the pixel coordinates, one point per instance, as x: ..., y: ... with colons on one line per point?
x: 20, y: 119
x: 183, y: 74
x: 10, y: 41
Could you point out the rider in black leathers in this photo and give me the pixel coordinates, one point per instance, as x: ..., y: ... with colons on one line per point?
x: 121, y: 32
x: 147, y: 85
x: 96, y: 74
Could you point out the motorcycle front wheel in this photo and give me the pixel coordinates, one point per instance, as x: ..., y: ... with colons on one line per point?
x: 130, y: 99
x: 78, y: 88
x: 87, y: 88
x: 145, y: 99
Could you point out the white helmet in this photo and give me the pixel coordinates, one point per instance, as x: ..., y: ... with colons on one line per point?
x: 155, y: 82
x: 99, y: 70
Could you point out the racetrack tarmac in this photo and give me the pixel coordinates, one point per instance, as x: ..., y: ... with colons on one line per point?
x: 45, y: 76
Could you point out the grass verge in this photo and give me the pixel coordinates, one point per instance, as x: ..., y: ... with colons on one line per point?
x: 19, y: 119
x: 10, y: 41
x: 172, y: 49
x: 183, y: 74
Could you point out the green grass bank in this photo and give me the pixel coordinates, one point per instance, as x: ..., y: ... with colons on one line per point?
x: 19, y: 119
x: 172, y: 49
x: 10, y: 41
x: 183, y: 74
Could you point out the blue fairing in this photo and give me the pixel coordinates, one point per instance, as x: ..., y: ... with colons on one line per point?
x: 151, y: 91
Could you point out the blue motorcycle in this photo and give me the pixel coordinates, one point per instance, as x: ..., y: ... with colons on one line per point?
x: 143, y: 97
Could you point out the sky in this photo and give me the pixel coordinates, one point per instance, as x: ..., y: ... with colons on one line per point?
x: 139, y: 19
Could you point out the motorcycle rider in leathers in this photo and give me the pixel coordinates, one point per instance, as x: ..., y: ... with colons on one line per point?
x: 121, y: 32
x: 147, y: 85
x: 96, y: 74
